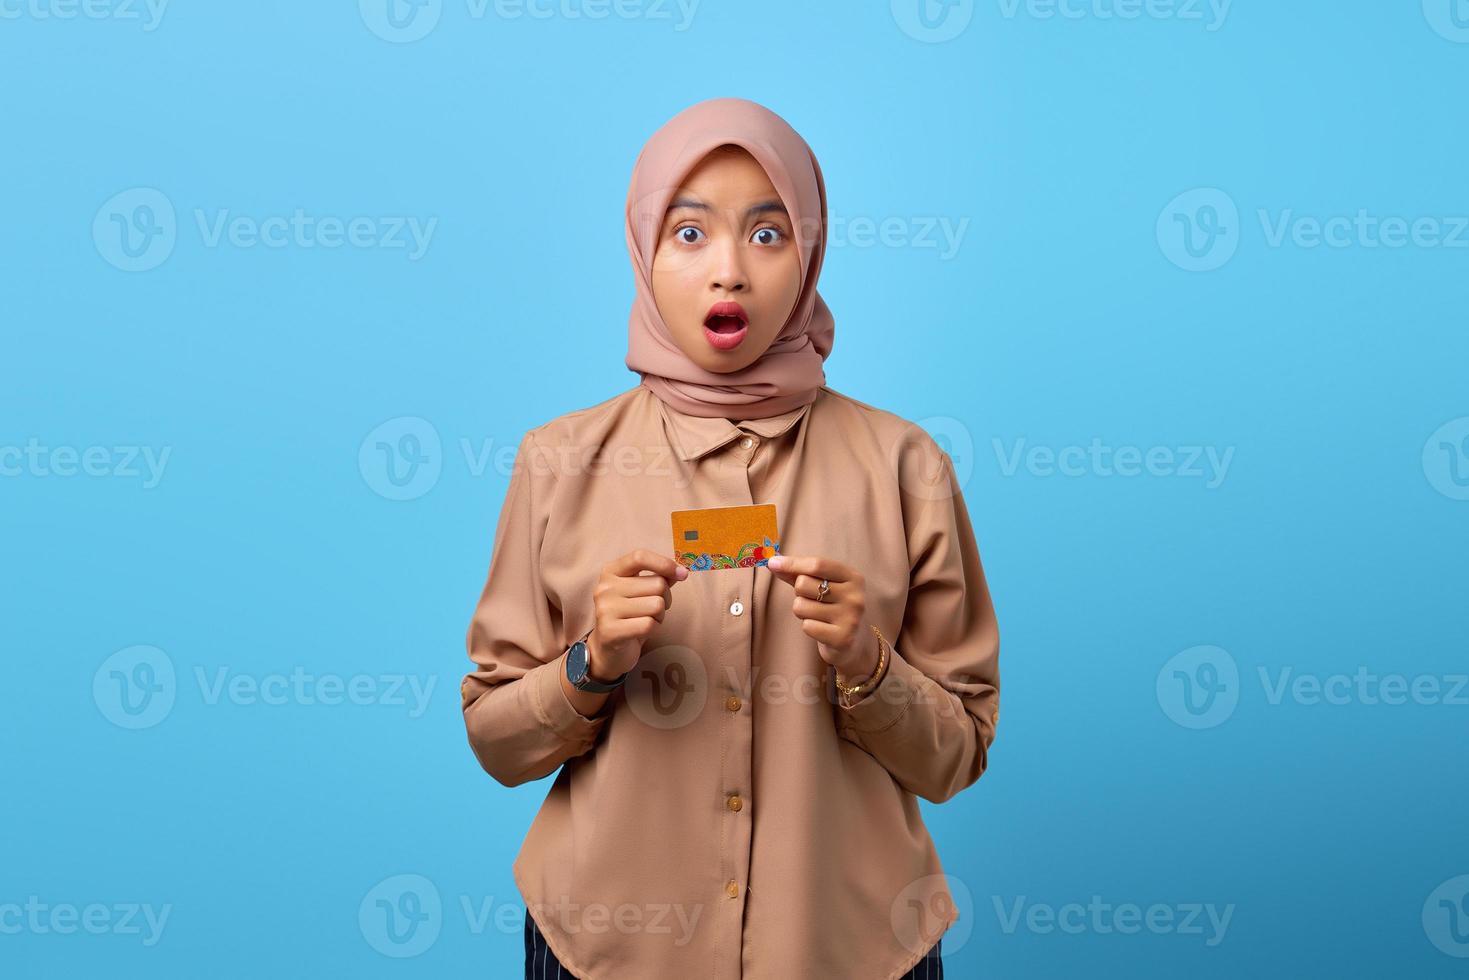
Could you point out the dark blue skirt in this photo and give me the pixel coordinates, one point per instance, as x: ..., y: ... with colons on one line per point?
x: 541, y: 963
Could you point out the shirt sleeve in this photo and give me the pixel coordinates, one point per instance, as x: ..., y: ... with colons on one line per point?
x: 931, y: 719
x: 520, y: 723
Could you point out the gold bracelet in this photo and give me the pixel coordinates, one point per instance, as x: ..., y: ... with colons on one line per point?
x: 877, y: 675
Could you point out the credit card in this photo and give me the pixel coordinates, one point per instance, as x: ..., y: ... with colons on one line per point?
x: 712, y: 538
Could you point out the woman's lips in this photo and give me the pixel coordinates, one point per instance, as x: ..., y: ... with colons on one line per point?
x: 726, y: 325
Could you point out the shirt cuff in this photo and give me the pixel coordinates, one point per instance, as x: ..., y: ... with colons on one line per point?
x: 555, y: 710
x: 886, y: 703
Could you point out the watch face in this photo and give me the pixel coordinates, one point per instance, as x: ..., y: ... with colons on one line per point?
x: 578, y: 671
x: 576, y: 662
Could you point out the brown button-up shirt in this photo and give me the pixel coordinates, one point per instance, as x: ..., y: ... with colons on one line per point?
x: 724, y: 815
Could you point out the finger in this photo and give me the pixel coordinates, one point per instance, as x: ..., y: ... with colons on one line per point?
x: 822, y: 632
x: 641, y: 559
x: 810, y: 587
x: 826, y: 612
x: 789, y: 566
x: 644, y: 583
x: 638, y: 606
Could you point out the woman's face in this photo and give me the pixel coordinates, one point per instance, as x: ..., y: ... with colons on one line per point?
x: 727, y: 272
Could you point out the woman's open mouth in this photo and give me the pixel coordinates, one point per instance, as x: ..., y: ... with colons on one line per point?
x: 726, y: 325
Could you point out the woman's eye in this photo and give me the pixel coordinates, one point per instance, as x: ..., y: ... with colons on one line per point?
x: 768, y: 236
x: 689, y: 235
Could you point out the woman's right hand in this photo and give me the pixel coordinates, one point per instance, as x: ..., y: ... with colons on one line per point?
x: 631, y: 597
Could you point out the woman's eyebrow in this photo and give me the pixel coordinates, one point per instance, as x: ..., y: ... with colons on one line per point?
x: 764, y: 207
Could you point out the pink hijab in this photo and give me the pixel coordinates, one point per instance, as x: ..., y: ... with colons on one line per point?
x: 790, y: 371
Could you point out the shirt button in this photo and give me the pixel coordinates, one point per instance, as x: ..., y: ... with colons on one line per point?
x: 736, y: 607
x: 746, y: 442
x: 732, y: 889
x: 733, y: 703
x: 735, y: 803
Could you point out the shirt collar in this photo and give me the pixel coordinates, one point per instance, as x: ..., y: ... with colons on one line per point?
x: 696, y: 436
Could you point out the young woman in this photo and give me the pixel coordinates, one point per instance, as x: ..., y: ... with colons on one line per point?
x: 742, y: 740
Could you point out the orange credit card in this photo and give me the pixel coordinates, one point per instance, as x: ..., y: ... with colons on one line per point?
x: 725, y: 537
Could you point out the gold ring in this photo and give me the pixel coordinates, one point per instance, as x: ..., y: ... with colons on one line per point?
x: 821, y: 595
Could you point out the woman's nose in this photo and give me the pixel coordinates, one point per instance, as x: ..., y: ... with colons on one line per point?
x: 727, y: 271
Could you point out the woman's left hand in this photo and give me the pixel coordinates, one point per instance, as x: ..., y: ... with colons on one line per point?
x: 836, y: 622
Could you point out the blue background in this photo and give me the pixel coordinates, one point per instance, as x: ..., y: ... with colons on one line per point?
x: 271, y: 544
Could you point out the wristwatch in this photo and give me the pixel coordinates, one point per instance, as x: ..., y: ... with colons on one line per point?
x: 578, y: 670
